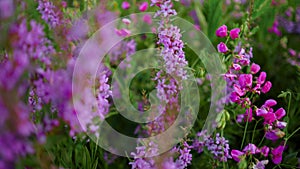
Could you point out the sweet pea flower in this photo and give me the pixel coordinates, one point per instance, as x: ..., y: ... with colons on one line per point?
x: 274, y: 134
x: 222, y: 48
x: 262, y: 77
x: 123, y: 32
x: 147, y: 19
x: 234, y: 33
x: 237, y: 155
x: 245, y: 80
x: 266, y: 88
x: 125, y: 5
x: 269, y: 118
x: 281, y: 124
x: 265, y: 151
x: 254, y: 68
x: 280, y: 113
x: 126, y: 21
x: 251, y: 149
x: 270, y: 103
x: 222, y: 31
x: 143, y: 7
x: 277, y: 154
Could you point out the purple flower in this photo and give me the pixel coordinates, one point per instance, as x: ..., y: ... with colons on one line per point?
x: 245, y: 80
x: 222, y: 48
x: 251, y: 149
x: 274, y: 134
x: 143, y: 7
x: 222, y: 31
x: 269, y: 118
x: 260, y: 164
x: 292, y: 52
x: 277, y: 154
x: 270, y: 103
x: 266, y: 88
x: 234, y: 33
x: 261, y: 78
x: 280, y: 113
x: 265, y: 151
x: 237, y: 155
x: 125, y: 5
x: 6, y: 8
x: 185, y: 156
x: 49, y: 13
x: 254, y: 68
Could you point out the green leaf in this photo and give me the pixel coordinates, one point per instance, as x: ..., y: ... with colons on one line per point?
x: 214, y: 17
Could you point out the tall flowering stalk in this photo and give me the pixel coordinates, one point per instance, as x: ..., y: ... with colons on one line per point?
x: 242, y: 87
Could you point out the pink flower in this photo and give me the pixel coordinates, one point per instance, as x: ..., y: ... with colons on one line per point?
x: 254, y: 68
x: 280, y: 113
x: 222, y: 31
x: 147, y: 18
x: 262, y: 77
x: 125, y: 5
x: 237, y: 155
x: 126, y: 21
x: 269, y: 118
x: 245, y: 80
x: 266, y: 88
x: 123, y: 32
x: 236, y: 67
x: 270, y: 103
x: 143, y: 7
x: 234, y: 33
x: 277, y: 154
x: 292, y: 52
x: 222, y: 48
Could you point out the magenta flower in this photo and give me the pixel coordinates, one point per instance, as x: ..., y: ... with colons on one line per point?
x: 277, y: 154
x: 245, y: 80
x: 143, y: 7
x: 270, y: 103
x: 237, y: 155
x: 266, y: 88
x: 265, y: 151
x: 234, y: 33
x: 222, y: 48
x: 292, y: 52
x: 254, y: 68
x: 125, y: 5
x: 123, y: 32
x: 261, y: 78
x: 147, y: 19
x: 222, y: 31
x: 280, y: 113
x: 269, y: 118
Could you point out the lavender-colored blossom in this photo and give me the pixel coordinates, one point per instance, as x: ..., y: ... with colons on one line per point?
x: 49, y: 13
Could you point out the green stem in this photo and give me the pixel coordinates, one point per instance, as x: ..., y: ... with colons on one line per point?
x: 245, y: 131
x: 254, y: 130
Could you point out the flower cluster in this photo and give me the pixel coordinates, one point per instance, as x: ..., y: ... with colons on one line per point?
x: 241, y: 88
x: 217, y: 146
x: 49, y: 13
